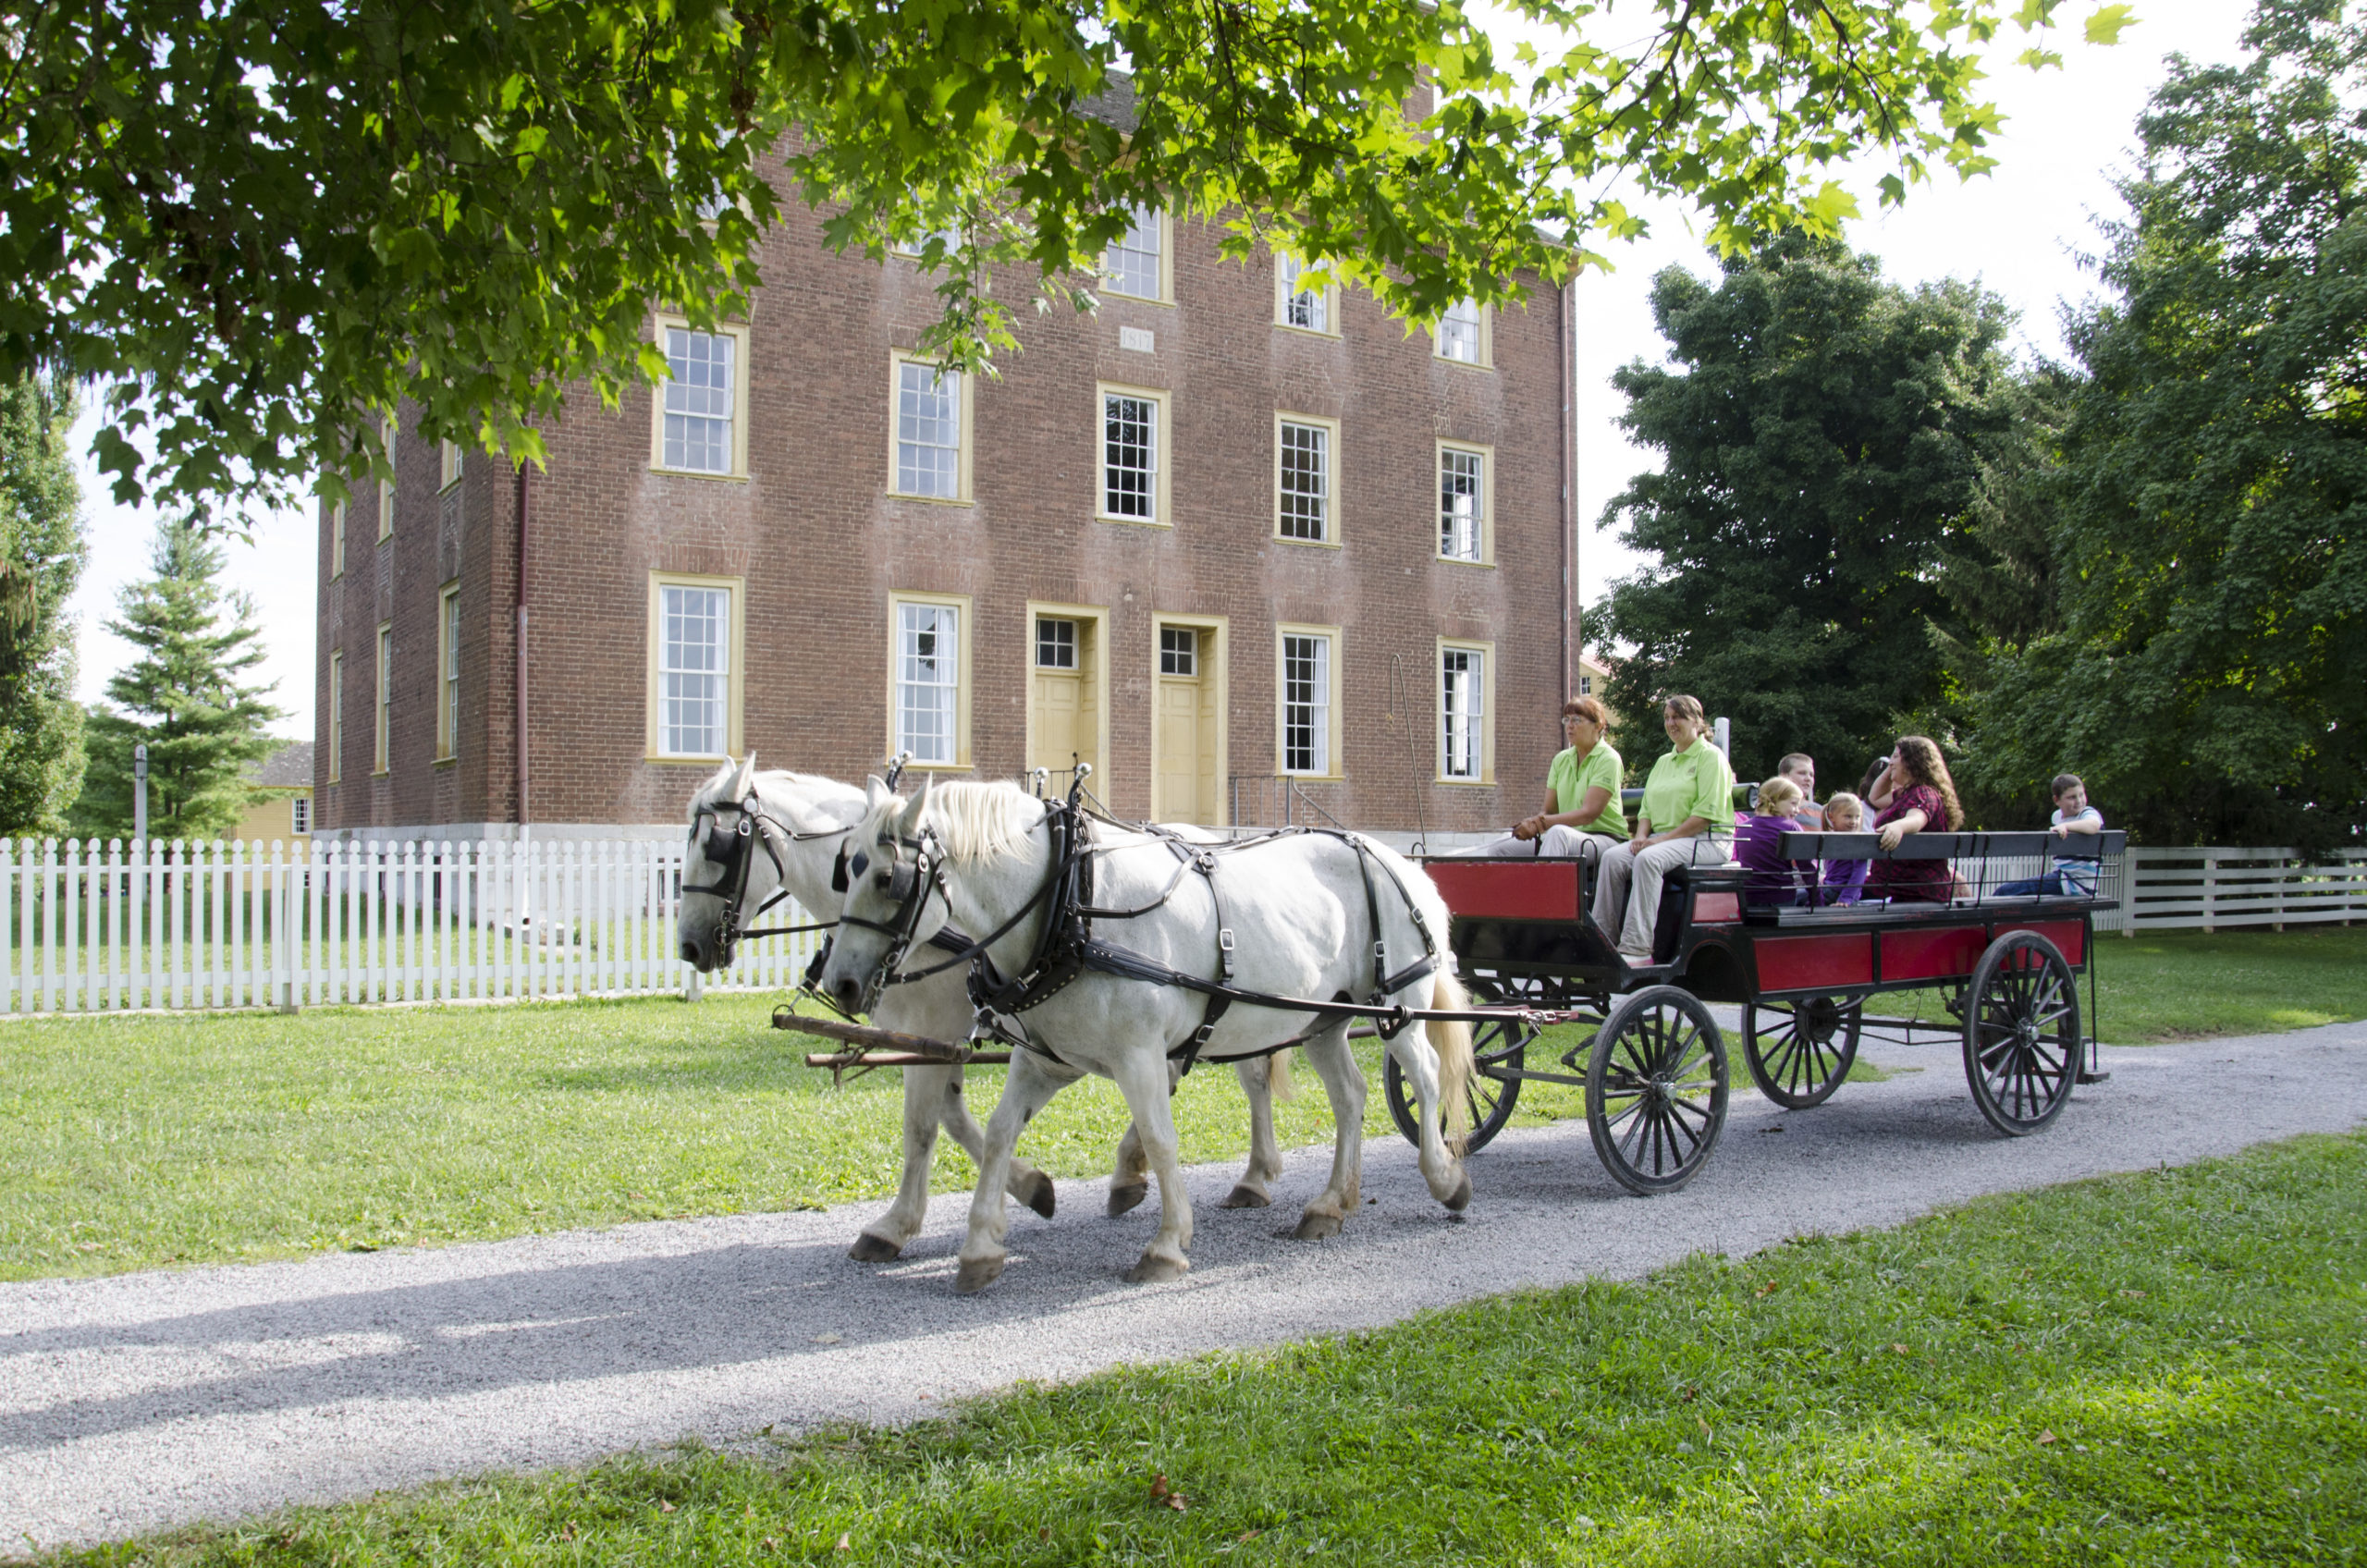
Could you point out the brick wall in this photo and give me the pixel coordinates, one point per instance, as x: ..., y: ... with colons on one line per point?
x: 822, y: 544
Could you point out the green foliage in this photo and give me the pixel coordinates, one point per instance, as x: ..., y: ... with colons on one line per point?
x: 2212, y: 520
x: 1822, y: 438
x: 41, y: 554
x: 262, y: 220
x: 182, y: 697
x: 2160, y: 1368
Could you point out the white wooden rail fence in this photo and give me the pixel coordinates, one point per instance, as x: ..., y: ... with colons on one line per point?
x: 99, y: 927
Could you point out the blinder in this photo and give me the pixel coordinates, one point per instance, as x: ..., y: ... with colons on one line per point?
x: 839, y: 871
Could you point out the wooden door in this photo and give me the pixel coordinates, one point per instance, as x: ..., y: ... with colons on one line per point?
x: 1064, y: 717
x: 1187, y: 706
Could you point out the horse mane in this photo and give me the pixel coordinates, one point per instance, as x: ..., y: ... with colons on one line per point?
x: 823, y: 792
x: 975, y: 820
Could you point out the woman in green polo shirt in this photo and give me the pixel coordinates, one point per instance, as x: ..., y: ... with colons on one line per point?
x: 1582, y: 816
x: 1687, y: 818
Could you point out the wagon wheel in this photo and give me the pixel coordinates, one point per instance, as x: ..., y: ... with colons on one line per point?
x: 1496, y: 1045
x: 2021, y: 1033
x: 1799, y: 1052
x: 1656, y: 1089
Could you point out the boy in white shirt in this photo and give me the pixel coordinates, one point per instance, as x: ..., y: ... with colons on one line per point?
x: 2076, y: 826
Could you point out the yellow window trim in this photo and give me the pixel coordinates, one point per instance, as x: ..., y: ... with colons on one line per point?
x: 1166, y: 295
x: 336, y: 540
x: 337, y: 714
x: 739, y: 335
x: 1162, y: 514
x: 1335, y: 731
x: 654, y: 702
x: 1333, y: 530
x: 1487, y: 718
x: 451, y: 464
x: 381, y: 709
x: 388, y: 434
x: 966, y: 673
x: 446, y: 743
x: 1487, y: 501
x: 1487, y: 360
x: 964, y: 495
x: 1332, y: 297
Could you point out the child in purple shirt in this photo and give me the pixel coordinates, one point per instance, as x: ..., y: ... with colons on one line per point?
x: 1773, y: 879
x: 1845, y: 880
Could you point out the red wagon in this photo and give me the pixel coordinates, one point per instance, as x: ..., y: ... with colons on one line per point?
x: 1653, y: 1063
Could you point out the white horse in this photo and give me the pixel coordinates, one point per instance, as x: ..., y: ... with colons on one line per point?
x: 796, y: 828
x: 1296, y: 909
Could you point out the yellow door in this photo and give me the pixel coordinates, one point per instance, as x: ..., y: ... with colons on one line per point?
x: 1187, y: 705
x: 1063, y: 723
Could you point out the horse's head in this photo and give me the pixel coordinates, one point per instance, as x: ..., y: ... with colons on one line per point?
x: 895, y: 897
x: 729, y: 870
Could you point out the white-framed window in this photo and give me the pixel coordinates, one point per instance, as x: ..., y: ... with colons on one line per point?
x: 1465, y: 492
x: 694, y: 669
x: 1466, y: 735
x: 1055, y: 642
x: 336, y: 538
x: 699, y: 417
x: 932, y: 419
x: 1461, y: 333
x: 300, y: 813
x: 386, y: 431
x: 1133, y: 468
x: 1303, y: 448
x: 1586, y: 685
x: 1306, y: 306
x: 1136, y: 263
x: 1179, y: 651
x: 1306, y: 689
x: 449, y: 457
x: 380, y: 749
x: 337, y: 716
x: 929, y: 673
x: 448, y: 673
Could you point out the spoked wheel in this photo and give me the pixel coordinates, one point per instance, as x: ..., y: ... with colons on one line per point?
x: 2021, y: 1033
x: 1656, y: 1089
x: 1497, y: 1044
x: 1799, y: 1052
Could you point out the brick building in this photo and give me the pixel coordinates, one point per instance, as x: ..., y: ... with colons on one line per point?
x: 1197, y: 540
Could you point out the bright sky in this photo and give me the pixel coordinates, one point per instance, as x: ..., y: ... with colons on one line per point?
x: 2019, y: 230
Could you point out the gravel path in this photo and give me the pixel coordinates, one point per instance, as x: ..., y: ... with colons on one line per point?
x: 132, y: 1402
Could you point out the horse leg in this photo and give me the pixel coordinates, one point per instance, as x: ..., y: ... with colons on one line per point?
x: 1438, y: 1064
x: 1343, y: 1081
x: 924, y: 1090
x: 1130, y: 1176
x: 1146, y: 1084
x: 1026, y: 1184
x: 1030, y: 1086
x: 1258, y: 1084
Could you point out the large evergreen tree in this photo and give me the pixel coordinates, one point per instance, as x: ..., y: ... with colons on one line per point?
x: 1822, y: 432
x: 42, y: 552
x: 2209, y: 673
x: 183, y: 697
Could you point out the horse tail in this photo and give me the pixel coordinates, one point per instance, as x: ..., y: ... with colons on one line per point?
x: 1278, y: 1082
x: 1452, y: 1039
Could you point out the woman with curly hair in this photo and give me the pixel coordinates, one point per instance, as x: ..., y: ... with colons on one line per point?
x: 1916, y: 794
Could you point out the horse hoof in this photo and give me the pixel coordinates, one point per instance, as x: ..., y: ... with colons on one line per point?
x: 1459, y: 1199
x: 1314, y: 1227
x: 976, y: 1274
x: 871, y: 1248
x: 1244, y: 1197
x: 1122, y: 1199
x: 1152, y: 1270
x: 1036, y: 1194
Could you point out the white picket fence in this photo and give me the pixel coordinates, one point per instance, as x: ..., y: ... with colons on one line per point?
x: 97, y: 926
x: 2210, y: 886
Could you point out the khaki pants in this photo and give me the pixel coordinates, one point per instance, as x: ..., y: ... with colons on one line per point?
x: 1557, y: 842
x: 1627, y: 886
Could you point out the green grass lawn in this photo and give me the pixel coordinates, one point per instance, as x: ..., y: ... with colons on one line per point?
x: 130, y: 1142
x: 2160, y: 1369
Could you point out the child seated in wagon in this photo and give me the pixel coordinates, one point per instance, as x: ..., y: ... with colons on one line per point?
x: 1758, y: 838
x: 2075, y: 828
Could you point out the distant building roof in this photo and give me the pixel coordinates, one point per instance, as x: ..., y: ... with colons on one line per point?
x: 290, y: 768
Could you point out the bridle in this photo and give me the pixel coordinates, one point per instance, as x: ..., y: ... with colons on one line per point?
x: 732, y: 850
x: 910, y: 883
